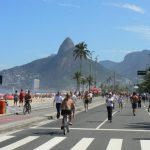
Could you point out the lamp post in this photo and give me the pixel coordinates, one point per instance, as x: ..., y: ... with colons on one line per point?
x: 96, y: 58
x: 91, y: 55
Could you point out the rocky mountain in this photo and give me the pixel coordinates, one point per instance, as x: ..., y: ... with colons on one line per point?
x: 54, y: 72
x: 131, y: 64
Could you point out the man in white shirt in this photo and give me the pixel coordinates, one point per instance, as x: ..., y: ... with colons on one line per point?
x: 58, y: 100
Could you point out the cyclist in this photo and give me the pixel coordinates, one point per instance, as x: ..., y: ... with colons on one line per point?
x: 66, y: 108
x: 28, y: 98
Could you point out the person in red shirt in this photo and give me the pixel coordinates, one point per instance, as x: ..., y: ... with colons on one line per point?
x: 21, y: 97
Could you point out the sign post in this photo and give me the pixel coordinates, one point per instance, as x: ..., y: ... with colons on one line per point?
x: 141, y: 72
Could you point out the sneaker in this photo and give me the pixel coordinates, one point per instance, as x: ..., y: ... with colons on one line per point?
x: 70, y: 123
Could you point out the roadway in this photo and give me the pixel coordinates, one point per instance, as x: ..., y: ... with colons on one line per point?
x: 90, y: 130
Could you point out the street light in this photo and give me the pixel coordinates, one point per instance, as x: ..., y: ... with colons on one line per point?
x: 91, y: 55
x: 96, y: 58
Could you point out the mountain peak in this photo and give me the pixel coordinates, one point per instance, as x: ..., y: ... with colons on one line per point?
x: 66, y: 46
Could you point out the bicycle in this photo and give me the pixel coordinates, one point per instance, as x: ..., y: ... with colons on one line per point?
x: 27, y: 107
x: 65, y: 124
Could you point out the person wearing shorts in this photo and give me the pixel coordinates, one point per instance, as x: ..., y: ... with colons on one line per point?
x: 66, y: 108
x: 134, y: 101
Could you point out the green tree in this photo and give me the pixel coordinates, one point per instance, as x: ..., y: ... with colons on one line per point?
x: 83, y: 82
x: 77, y: 77
x: 90, y: 81
x: 81, y: 52
x: 145, y: 85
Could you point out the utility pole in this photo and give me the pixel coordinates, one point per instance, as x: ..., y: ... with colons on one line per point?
x: 91, y: 55
x: 114, y: 85
x: 96, y: 58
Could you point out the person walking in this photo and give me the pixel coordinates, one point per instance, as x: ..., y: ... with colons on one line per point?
x: 21, y: 97
x: 58, y: 100
x: 16, y: 98
x: 109, y: 105
x: 134, y: 101
x: 120, y: 102
x: 86, y: 101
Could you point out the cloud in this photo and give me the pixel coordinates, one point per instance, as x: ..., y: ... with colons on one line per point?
x: 144, y: 31
x: 68, y: 5
x: 132, y: 7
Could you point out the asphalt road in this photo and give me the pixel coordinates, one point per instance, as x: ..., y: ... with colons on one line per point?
x: 90, y: 130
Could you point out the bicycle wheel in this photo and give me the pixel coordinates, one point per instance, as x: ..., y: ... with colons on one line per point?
x: 29, y: 108
x: 24, y: 110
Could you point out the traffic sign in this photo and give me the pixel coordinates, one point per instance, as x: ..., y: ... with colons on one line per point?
x: 141, y: 72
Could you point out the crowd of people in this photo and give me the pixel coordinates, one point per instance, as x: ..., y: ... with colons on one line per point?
x: 66, y: 105
x: 21, y: 97
x: 120, y: 98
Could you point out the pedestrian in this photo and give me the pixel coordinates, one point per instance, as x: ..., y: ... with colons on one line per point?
x: 90, y: 97
x: 86, y: 101
x: 120, y: 102
x: 58, y: 100
x: 16, y: 98
x: 21, y: 97
x: 134, y: 101
x: 109, y: 105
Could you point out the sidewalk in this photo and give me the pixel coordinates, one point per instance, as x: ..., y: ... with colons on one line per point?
x: 10, y: 121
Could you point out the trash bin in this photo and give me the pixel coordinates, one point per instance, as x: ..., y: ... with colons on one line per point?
x: 2, y: 107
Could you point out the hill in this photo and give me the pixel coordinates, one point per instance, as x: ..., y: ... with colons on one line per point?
x: 54, y: 72
x: 131, y: 64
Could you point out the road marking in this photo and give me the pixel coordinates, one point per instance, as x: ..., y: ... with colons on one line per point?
x: 19, y: 143
x: 105, y: 121
x: 3, y: 138
x: 50, y: 144
x: 145, y: 144
x: 12, y: 132
x: 93, y: 129
x: 83, y: 144
x: 41, y: 124
x: 115, y: 144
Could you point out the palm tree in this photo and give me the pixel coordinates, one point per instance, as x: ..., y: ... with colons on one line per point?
x: 81, y: 52
x: 77, y: 77
x: 90, y: 80
x: 83, y: 82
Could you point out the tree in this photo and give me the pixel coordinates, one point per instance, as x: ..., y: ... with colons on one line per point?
x: 83, y: 82
x: 81, y: 52
x: 77, y: 77
x: 89, y: 80
x: 145, y: 85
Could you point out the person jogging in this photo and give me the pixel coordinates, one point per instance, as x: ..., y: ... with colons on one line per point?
x: 134, y: 101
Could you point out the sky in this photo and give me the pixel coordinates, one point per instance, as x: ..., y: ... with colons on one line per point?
x: 34, y: 29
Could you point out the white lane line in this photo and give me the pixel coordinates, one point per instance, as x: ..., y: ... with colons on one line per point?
x: 115, y: 144
x: 105, y: 121
x: 12, y: 132
x: 19, y: 143
x: 145, y: 144
x: 50, y: 144
x: 42, y: 123
x: 93, y: 129
x: 83, y: 144
x: 3, y: 138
